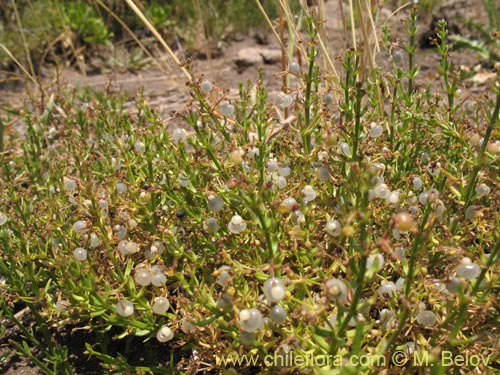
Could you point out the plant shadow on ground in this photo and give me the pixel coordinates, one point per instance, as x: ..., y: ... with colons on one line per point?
x: 139, y: 353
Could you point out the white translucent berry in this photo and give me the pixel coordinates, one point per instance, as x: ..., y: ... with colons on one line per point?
x: 226, y: 109
x: 344, y: 149
x: 298, y: 217
x: 128, y: 247
x: 237, y: 224
x: 132, y: 224
x: 417, y: 183
x: 160, y: 247
x: 333, y: 228
x: 272, y: 165
x: 396, y: 233
x: 324, y: 174
x: 284, y: 100
x: 387, y: 289
x: 253, y: 153
x: 435, y: 169
x: 80, y: 254
x: 483, y: 189
x: 103, y: 204
x: 387, y: 318
x: 471, y: 212
x: 211, y: 224
x: 183, y: 180
x: 336, y: 290
x: 251, y: 320
x: 80, y: 226
x: 400, y: 283
x: 164, y: 334
x: 223, y: 275
x: 432, y: 195
x: 439, y: 286
x: 452, y: 284
x: 423, y: 198
x: 284, y: 171
x: 158, y: 278
x: 69, y: 184
x: 274, y: 290
x: 328, y: 98
x: 280, y: 182
x: 124, y: 308
x: 277, y: 314
x: 120, y: 231
x: 116, y: 164
x: 157, y: 248
x: 186, y: 326
x: 397, y: 57
x: 142, y: 276
x: 236, y: 156
x: 426, y: 318
x: 290, y: 203
x: 467, y: 269
x: 215, y: 204
x: 3, y: 218
x: 439, y: 207
x: 206, y: 86
x: 393, y: 197
x: 247, y: 338
x: 376, y: 130
x: 144, y: 197
x: 493, y: 148
x: 294, y: 67
x: 140, y: 147
x: 309, y: 193
x: 371, y: 194
x: 179, y: 135
x: 400, y: 253
x: 409, y: 347
x: 382, y: 191
x: 375, y: 261
x: 121, y: 188
x: 160, y: 305
x: 413, y: 210
x: 224, y: 302
x: 94, y: 240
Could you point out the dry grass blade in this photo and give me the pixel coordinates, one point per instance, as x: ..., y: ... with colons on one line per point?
x: 269, y: 22
x: 158, y: 37
x: 329, y: 65
x: 16, y: 61
x: 136, y: 39
x: 25, y: 44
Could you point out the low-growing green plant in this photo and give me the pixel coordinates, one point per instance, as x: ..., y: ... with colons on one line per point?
x: 331, y: 240
x: 487, y: 44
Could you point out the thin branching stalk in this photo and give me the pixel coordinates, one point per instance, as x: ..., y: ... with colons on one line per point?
x: 135, y: 38
x: 471, y: 183
x: 158, y: 37
x: 23, y: 37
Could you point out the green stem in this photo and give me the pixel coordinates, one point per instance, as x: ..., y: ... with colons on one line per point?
x: 306, y: 132
x: 415, y: 250
x: 357, y: 120
x: 2, y: 130
x: 475, y: 171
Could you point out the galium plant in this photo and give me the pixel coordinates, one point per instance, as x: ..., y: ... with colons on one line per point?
x: 227, y: 229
